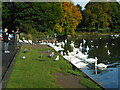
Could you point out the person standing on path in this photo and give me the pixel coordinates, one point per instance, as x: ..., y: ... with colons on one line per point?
x: 6, y: 40
x: 17, y: 34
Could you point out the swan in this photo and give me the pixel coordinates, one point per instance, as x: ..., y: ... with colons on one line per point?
x: 87, y: 48
x: 91, y: 41
x: 65, y: 40
x: 74, y: 60
x: 51, y: 55
x: 71, y: 53
x: 84, y: 41
x: 57, y: 58
x: 61, y: 53
x: 30, y: 41
x: 91, y: 60
x: 23, y: 57
x: 25, y: 41
x: 20, y: 41
x: 72, y: 44
x: 108, y: 52
x: 80, y: 65
x: 63, y: 44
x: 81, y: 55
x: 100, y: 65
x: 106, y: 46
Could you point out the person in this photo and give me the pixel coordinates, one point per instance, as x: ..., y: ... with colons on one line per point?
x: 6, y: 40
x: 17, y: 34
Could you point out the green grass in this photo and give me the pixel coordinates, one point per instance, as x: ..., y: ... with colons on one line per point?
x: 90, y: 84
x: 35, y: 72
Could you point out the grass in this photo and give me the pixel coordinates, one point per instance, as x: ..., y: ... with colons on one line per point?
x: 90, y: 84
x: 36, y: 72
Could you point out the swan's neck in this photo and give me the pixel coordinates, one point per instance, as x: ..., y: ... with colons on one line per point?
x: 96, y: 63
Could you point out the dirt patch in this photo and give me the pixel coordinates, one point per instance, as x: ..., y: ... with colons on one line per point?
x: 68, y: 81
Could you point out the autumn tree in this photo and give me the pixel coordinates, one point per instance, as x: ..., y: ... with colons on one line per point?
x: 71, y: 17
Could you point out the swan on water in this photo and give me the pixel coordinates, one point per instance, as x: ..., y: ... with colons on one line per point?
x: 91, y: 60
x: 87, y: 48
x: 108, y: 52
x: 84, y: 41
x: 100, y: 65
x: 80, y: 65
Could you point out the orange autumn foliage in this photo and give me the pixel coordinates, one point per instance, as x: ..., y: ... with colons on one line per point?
x: 71, y: 17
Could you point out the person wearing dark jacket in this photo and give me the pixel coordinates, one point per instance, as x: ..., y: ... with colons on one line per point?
x: 6, y: 40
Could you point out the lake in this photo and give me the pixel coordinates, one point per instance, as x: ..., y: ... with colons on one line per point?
x: 107, y: 49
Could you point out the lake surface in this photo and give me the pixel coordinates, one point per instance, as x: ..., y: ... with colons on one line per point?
x: 107, y: 49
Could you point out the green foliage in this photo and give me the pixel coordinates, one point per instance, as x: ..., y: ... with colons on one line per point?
x: 42, y: 16
x: 101, y: 15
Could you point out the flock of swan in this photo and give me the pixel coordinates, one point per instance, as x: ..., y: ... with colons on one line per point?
x: 76, y: 57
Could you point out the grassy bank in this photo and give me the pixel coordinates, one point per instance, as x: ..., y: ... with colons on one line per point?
x: 36, y: 70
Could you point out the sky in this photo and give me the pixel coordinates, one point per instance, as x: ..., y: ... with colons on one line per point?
x: 84, y: 2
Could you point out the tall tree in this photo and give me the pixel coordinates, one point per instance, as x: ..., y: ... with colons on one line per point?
x: 39, y: 15
x: 115, y: 14
x: 96, y: 16
x: 71, y: 17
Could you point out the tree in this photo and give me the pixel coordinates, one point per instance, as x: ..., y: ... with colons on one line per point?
x: 41, y: 16
x: 96, y: 15
x: 71, y: 17
x: 115, y: 14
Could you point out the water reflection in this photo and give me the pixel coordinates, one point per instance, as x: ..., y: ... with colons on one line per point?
x: 106, y: 48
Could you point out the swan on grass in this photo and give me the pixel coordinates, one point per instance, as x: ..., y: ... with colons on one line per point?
x: 57, y: 58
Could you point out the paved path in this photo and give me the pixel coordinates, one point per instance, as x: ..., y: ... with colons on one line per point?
x: 8, y: 57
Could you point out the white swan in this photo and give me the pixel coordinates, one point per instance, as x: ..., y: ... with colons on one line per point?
x: 100, y: 65
x: 30, y: 41
x: 81, y: 55
x: 84, y: 41
x: 108, y: 52
x: 80, y: 65
x: 87, y: 48
x: 74, y: 60
x: 20, y: 41
x: 57, y: 58
x: 25, y: 41
x: 72, y: 44
x: 91, y: 60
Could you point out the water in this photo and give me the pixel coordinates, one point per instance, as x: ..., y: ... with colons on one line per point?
x: 107, y: 49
